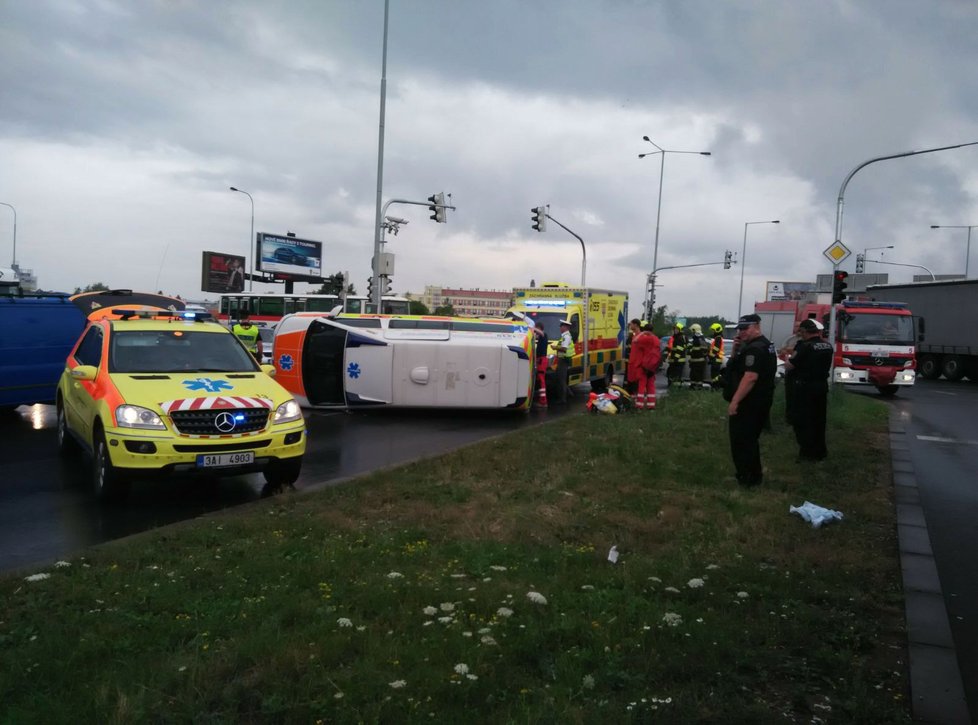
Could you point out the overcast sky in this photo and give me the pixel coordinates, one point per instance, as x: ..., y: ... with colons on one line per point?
x: 122, y: 125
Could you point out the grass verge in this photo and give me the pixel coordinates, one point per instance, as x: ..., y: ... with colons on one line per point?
x: 477, y: 586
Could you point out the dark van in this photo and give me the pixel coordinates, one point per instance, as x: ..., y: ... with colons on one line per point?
x: 36, y: 334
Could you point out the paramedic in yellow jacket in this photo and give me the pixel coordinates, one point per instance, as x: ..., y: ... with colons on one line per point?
x: 565, y: 352
x: 245, y: 331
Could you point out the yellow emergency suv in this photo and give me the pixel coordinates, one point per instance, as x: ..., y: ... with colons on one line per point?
x: 598, y: 321
x: 163, y: 391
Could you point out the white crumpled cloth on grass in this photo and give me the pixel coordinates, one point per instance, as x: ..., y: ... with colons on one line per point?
x: 814, y: 514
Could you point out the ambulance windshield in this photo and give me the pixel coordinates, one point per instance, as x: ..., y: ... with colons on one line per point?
x: 169, y: 351
x: 550, y: 321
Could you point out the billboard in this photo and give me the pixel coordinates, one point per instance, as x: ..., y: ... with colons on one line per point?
x: 781, y: 291
x: 222, y: 273
x: 289, y: 257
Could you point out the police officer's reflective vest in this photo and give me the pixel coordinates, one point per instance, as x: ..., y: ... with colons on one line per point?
x: 567, y: 342
x: 248, y: 336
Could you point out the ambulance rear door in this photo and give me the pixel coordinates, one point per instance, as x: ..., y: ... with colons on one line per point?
x: 343, y: 366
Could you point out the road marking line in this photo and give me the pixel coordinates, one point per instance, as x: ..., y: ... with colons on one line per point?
x: 939, y: 439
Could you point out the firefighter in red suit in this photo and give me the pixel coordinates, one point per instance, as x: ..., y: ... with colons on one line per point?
x: 642, y: 364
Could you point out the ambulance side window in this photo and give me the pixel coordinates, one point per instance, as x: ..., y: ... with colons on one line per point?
x: 90, y: 350
x: 575, y: 327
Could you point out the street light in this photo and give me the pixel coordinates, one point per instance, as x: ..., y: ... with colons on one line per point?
x: 650, y: 298
x: 743, y: 262
x: 13, y: 263
x: 252, y: 240
x: 969, y: 227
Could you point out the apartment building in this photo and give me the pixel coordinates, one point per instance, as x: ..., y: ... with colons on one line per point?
x: 475, y: 302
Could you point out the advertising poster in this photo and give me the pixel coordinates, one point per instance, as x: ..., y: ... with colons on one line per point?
x: 782, y: 291
x: 222, y: 273
x: 297, y: 258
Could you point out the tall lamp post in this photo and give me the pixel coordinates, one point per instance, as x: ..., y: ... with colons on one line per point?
x: 743, y: 261
x: 250, y: 267
x: 13, y: 263
x: 969, y: 227
x: 650, y: 296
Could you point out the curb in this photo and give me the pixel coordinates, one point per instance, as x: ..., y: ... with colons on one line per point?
x: 936, y: 689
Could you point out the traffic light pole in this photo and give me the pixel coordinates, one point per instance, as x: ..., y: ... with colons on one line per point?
x: 898, y: 264
x: 583, y: 250
x: 647, y: 312
x: 375, y: 277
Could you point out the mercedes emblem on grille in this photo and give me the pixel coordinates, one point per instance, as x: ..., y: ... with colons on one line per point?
x: 224, y: 422
x: 879, y: 361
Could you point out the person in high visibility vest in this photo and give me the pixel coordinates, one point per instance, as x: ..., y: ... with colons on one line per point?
x: 698, y: 350
x: 715, y: 354
x: 565, y: 352
x: 245, y: 331
x: 676, y: 353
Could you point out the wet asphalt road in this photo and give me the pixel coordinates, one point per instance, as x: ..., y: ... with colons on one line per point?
x: 47, y: 510
x: 942, y: 431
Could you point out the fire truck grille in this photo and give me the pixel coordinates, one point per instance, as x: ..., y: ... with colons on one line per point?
x: 216, y: 422
x: 871, y: 361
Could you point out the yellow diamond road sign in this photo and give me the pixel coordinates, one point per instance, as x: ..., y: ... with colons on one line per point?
x: 837, y: 252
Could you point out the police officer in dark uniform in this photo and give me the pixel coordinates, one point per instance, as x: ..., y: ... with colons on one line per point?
x: 810, y: 365
x: 750, y: 391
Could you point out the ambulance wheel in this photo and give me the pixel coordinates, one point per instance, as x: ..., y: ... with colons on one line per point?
x: 109, y: 484
x: 67, y: 445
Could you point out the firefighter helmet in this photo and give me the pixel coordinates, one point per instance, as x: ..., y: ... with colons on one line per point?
x: 716, y: 328
x: 679, y: 325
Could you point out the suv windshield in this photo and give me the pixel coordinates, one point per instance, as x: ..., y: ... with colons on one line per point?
x: 177, y: 350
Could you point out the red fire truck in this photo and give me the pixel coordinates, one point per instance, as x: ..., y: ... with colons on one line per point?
x: 875, y: 342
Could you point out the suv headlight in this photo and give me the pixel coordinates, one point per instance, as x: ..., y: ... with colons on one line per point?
x: 132, y: 416
x: 287, y: 412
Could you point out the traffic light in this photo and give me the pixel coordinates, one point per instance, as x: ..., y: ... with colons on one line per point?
x: 539, y: 218
x: 437, y: 207
x: 839, y: 286
x: 727, y: 259
x: 860, y: 263
x: 370, y: 288
x: 386, y: 285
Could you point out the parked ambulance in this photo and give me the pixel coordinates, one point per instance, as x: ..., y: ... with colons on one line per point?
x: 599, y: 325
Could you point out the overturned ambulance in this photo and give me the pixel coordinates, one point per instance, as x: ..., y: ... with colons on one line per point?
x: 357, y: 361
